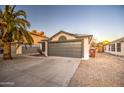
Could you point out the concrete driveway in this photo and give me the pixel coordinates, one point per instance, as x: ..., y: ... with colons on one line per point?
x: 35, y: 72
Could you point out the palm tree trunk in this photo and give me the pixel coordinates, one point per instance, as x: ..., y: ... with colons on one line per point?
x: 7, y: 50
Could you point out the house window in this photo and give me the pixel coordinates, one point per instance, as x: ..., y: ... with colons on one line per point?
x: 112, y: 47
x: 62, y: 38
x: 118, y: 47
x: 109, y: 47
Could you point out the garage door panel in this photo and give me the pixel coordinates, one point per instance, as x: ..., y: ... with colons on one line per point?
x: 67, y: 49
x: 63, y: 46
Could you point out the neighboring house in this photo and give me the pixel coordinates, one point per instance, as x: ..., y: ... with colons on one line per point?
x: 115, y: 47
x: 22, y: 49
x: 37, y: 36
x: 66, y: 44
x: 15, y: 49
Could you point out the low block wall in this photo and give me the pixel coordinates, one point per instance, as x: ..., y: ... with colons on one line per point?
x: 30, y: 49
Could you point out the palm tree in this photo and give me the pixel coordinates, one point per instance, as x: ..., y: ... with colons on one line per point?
x: 13, y: 27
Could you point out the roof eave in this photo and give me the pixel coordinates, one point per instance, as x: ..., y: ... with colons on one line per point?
x: 62, y: 32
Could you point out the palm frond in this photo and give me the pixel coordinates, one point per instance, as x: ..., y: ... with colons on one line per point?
x: 16, y: 25
x: 19, y: 14
x: 1, y: 13
x: 23, y: 22
x: 13, y: 7
x: 27, y: 36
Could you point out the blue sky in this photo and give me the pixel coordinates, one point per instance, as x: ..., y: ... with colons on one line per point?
x: 104, y: 22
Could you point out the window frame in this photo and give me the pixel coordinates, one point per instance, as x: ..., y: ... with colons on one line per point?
x: 119, y: 47
x: 109, y: 47
x: 62, y: 38
x: 113, y: 47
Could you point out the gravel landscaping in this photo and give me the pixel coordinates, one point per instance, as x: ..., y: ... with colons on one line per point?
x: 103, y: 71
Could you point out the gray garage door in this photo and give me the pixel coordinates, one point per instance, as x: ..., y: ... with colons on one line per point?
x: 66, y: 49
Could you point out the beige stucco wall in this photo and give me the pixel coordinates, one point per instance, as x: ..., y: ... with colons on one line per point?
x: 86, y: 49
x: 56, y: 38
x: 18, y: 49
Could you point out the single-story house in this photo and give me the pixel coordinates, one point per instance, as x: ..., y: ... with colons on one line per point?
x: 67, y: 44
x: 115, y: 47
